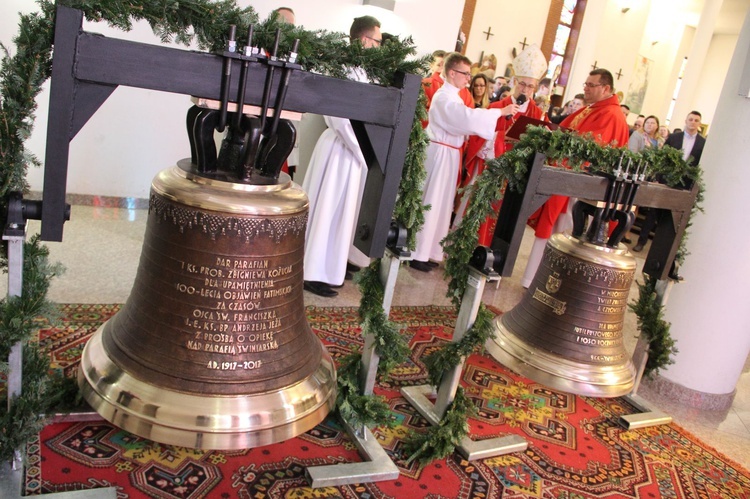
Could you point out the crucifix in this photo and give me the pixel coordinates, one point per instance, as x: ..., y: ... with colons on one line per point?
x: 594, y: 66
x: 523, y: 43
x: 619, y: 73
x: 489, y: 32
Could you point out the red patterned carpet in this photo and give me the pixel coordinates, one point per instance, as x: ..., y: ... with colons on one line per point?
x: 576, y: 450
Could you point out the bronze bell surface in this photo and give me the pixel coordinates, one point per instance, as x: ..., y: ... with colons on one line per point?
x: 566, y: 332
x: 212, y: 349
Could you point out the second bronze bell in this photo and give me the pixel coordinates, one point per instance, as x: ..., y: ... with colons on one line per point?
x: 213, y: 350
x: 566, y: 332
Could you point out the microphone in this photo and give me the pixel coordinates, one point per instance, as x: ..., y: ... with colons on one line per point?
x: 519, y: 100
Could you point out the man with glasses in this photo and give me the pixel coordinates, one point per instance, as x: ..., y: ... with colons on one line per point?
x: 433, y: 83
x: 529, y: 67
x: 450, y: 121
x: 334, y: 183
x: 604, y: 120
x: 602, y: 117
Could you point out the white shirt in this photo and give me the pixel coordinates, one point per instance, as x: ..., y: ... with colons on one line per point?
x: 688, y: 141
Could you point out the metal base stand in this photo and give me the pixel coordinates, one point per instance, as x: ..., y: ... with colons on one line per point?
x: 647, y: 415
x: 418, y: 395
x: 11, y: 473
x: 377, y: 466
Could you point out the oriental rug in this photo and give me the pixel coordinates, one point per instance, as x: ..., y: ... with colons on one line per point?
x: 577, y: 449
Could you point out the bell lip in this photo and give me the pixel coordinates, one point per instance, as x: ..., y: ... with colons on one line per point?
x: 226, y: 422
x: 547, y: 368
x: 234, y: 198
x: 619, y: 257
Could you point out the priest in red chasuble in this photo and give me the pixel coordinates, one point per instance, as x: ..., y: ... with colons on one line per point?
x: 603, y: 119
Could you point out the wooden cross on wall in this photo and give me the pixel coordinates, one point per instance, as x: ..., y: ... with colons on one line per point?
x: 523, y: 43
x: 619, y: 73
x: 489, y: 32
x: 594, y: 66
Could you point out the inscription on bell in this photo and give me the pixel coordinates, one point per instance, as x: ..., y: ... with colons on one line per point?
x: 242, y: 284
x: 224, y: 300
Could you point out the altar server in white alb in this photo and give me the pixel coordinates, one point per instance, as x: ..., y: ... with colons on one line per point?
x: 450, y: 122
x: 334, y: 183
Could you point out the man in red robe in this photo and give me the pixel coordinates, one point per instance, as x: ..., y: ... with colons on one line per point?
x: 603, y: 119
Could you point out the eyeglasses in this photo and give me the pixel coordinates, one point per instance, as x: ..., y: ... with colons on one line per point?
x: 465, y: 73
x: 526, y: 85
x: 376, y: 40
x: 592, y: 85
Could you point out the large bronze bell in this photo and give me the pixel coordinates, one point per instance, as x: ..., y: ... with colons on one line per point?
x: 566, y: 332
x: 212, y: 349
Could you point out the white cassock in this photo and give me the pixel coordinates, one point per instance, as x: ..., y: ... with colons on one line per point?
x: 334, y: 183
x: 450, y: 121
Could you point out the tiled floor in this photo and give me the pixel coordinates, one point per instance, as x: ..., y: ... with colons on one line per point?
x: 101, y: 249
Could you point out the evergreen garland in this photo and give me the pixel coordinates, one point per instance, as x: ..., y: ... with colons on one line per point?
x: 389, y: 343
x: 653, y: 327
x: 409, y: 211
x: 206, y: 22
x: 354, y: 407
x: 18, y: 315
x: 440, y: 441
x: 447, y: 357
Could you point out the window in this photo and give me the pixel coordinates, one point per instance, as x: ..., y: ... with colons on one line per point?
x: 561, y: 37
x: 676, y: 92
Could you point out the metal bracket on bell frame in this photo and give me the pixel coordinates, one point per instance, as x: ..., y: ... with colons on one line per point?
x: 14, y: 232
x: 378, y: 466
x: 417, y: 396
x: 647, y: 415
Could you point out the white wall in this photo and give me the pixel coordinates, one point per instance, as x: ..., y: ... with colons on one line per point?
x: 137, y: 133
x: 511, y: 22
x: 712, y: 77
x: 713, y: 347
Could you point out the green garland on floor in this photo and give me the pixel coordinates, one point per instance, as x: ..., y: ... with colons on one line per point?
x: 512, y: 167
x: 440, y: 441
x: 204, y: 21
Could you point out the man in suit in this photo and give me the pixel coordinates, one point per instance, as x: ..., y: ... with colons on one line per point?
x: 691, y: 143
